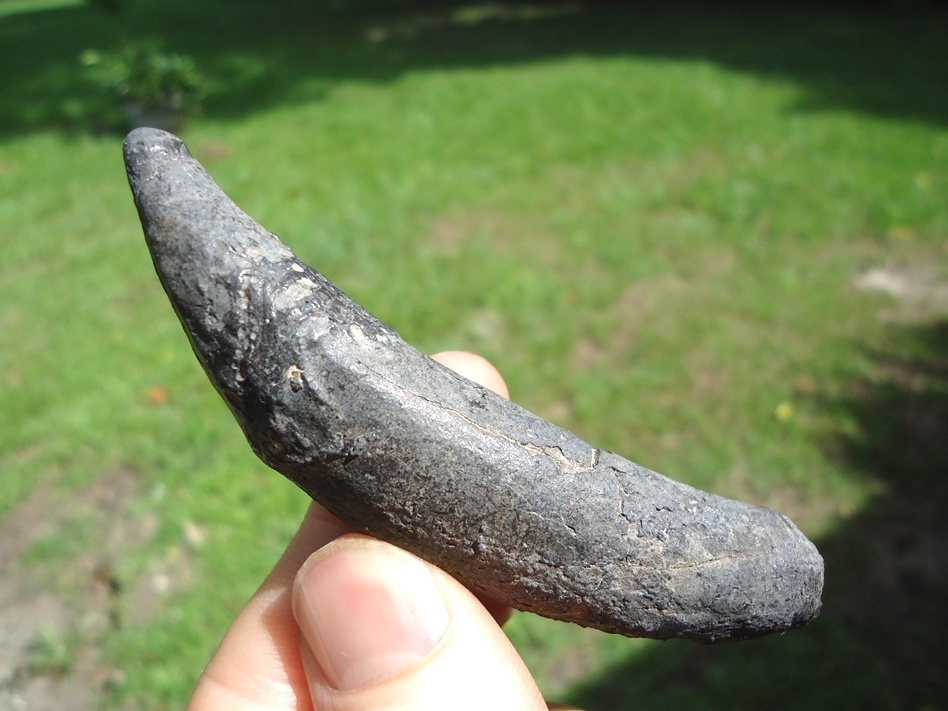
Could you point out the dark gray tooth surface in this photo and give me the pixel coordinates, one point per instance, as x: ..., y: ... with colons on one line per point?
x: 404, y: 449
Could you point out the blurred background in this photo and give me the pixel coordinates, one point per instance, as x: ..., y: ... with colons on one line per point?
x: 710, y: 237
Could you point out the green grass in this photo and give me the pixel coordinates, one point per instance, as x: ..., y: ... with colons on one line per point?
x: 650, y: 219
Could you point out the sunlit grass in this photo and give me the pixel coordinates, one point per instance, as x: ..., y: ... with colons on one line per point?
x: 12, y: 7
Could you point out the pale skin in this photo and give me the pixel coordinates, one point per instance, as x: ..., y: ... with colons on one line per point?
x: 345, y: 622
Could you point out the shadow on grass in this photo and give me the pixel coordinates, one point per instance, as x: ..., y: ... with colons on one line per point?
x: 879, y: 642
x: 883, y: 58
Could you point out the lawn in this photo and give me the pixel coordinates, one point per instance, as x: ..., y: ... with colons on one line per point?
x: 714, y: 241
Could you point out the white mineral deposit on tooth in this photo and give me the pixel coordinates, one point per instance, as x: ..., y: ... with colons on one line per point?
x: 403, y: 449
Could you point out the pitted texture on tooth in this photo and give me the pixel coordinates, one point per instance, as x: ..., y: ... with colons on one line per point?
x: 403, y: 449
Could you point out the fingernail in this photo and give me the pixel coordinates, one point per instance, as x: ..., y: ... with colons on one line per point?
x: 368, y: 611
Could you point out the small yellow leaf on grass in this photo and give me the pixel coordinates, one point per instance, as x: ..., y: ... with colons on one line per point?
x: 902, y: 232
x: 784, y: 412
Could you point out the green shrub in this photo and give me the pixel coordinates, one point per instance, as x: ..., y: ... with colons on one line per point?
x: 144, y: 78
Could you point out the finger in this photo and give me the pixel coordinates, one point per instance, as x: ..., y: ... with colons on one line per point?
x: 383, y: 629
x: 257, y: 665
x: 474, y: 367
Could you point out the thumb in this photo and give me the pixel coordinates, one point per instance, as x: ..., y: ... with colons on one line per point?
x: 382, y: 629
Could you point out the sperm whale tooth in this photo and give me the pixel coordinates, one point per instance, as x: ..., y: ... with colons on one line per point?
x: 403, y: 449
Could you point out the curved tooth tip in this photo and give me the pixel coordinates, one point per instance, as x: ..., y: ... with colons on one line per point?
x: 148, y: 143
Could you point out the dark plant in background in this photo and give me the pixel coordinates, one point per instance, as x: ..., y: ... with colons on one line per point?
x: 153, y: 87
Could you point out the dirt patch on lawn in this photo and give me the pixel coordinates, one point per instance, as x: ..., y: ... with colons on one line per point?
x: 50, y: 639
x: 919, y: 291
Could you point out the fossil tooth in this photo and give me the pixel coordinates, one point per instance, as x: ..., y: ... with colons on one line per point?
x: 404, y: 449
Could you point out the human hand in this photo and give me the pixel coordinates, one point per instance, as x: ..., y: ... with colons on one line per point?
x: 360, y: 624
